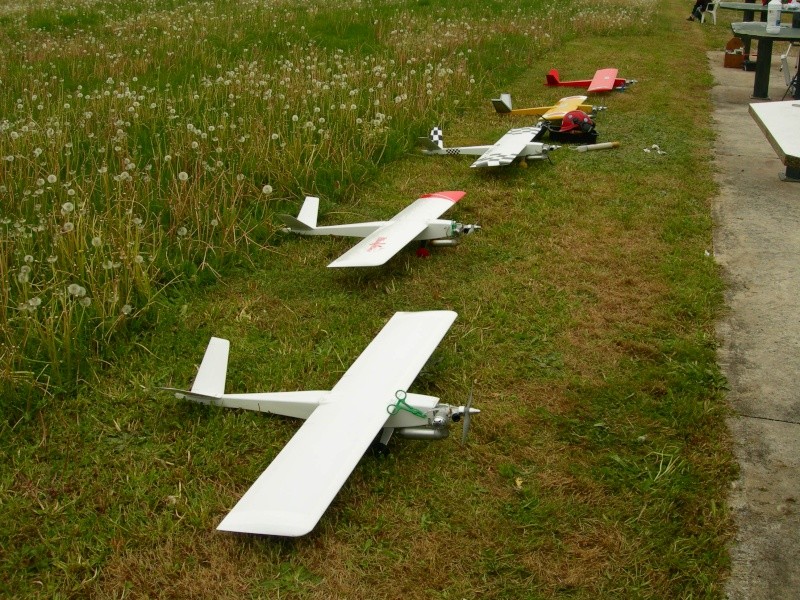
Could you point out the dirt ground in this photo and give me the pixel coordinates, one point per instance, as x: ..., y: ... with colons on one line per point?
x: 757, y: 243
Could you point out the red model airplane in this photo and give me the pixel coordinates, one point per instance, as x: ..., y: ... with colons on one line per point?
x: 604, y: 80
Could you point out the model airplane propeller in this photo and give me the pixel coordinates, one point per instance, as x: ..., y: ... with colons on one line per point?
x: 290, y: 496
x: 516, y: 144
x: 383, y: 239
x: 604, y: 80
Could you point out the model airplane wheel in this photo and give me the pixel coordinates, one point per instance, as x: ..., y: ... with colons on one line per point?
x: 380, y: 449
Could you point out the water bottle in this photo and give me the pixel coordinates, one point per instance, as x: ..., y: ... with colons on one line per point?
x: 774, y: 16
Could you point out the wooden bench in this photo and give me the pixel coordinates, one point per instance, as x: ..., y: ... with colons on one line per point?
x: 780, y: 122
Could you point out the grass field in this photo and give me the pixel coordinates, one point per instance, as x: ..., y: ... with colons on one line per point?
x: 144, y: 151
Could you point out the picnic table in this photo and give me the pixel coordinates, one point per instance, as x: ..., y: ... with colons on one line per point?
x: 758, y: 31
x: 780, y: 122
x: 750, y: 8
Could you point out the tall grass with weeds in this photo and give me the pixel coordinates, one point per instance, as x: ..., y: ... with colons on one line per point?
x: 145, y: 143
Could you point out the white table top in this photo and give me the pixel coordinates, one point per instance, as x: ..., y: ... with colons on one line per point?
x: 780, y: 122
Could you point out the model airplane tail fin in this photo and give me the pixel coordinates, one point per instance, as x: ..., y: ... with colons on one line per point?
x: 209, y: 384
x: 502, y: 104
x: 434, y: 143
x: 552, y: 77
x: 306, y: 220
x: 210, y: 380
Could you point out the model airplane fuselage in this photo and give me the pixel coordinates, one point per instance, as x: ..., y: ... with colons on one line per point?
x: 370, y: 400
x: 383, y: 239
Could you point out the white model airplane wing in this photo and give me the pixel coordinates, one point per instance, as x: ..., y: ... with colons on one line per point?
x: 292, y: 494
x: 508, y: 147
x: 383, y: 243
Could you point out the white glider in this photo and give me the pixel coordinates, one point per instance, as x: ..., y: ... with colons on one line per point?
x: 383, y: 239
x: 370, y: 399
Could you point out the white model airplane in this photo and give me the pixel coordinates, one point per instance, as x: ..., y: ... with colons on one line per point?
x: 383, y: 239
x: 289, y: 498
x: 516, y: 144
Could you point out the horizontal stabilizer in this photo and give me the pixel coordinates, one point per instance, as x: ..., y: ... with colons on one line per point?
x: 191, y: 396
x: 502, y: 104
x: 429, y: 146
x: 294, y: 224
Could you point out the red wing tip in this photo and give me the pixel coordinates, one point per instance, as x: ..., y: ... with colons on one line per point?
x: 452, y: 196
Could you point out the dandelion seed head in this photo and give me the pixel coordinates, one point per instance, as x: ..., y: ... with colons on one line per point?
x: 86, y: 301
x: 68, y: 226
x: 127, y: 309
x: 76, y: 290
x: 51, y: 178
x: 267, y: 189
x: 67, y: 208
x: 96, y: 241
x: 182, y: 231
x: 183, y: 176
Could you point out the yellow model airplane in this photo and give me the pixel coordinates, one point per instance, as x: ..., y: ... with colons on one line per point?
x: 555, y: 112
